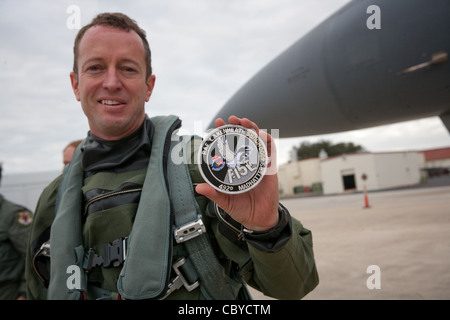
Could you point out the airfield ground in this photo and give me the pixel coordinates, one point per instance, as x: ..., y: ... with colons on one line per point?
x: 404, y: 232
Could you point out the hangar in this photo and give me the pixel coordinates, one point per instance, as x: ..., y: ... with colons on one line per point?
x: 374, y: 170
x: 353, y: 172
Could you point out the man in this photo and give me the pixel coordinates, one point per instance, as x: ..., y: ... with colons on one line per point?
x: 69, y: 150
x: 15, y: 222
x: 121, y: 238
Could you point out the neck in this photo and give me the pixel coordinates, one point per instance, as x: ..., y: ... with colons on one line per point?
x: 117, y: 132
x: 128, y: 153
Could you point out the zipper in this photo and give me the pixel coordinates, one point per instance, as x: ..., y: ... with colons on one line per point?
x: 107, y: 195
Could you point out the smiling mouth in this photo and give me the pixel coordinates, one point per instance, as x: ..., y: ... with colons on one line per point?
x: 111, y: 102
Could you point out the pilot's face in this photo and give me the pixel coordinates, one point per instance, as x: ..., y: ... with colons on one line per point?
x: 111, y: 82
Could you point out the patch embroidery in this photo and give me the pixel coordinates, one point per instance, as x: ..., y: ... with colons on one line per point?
x: 25, y: 218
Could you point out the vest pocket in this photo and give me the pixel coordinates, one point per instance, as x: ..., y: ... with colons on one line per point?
x: 99, y: 199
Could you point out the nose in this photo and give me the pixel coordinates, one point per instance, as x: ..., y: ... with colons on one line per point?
x: 112, y: 81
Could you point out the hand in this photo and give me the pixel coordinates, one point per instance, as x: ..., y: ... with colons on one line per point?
x: 256, y: 209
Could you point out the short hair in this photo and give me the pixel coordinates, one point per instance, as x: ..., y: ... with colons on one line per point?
x: 118, y: 21
x: 73, y: 144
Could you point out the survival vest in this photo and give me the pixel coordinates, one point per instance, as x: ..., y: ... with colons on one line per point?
x: 146, y: 270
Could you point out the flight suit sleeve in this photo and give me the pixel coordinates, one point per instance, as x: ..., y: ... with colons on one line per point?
x: 40, y: 232
x: 289, y: 272
x: 279, y: 262
x: 18, y: 233
x: 19, y: 229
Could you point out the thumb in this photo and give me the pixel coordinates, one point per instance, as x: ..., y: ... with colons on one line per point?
x: 221, y: 199
x: 208, y: 191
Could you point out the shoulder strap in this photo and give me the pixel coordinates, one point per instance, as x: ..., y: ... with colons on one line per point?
x: 189, y: 229
x: 66, y: 228
x: 146, y: 271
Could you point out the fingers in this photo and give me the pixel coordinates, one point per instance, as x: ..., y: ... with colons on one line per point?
x: 219, y: 122
x: 243, y: 122
x: 238, y: 121
x: 266, y: 137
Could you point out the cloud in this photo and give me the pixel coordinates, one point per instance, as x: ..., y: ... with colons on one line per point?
x: 203, y: 52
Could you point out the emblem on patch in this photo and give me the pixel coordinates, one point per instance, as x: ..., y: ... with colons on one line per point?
x: 24, y: 218
x: 232, y: 159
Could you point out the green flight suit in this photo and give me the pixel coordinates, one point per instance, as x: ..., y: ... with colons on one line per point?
x: 281, y: 266
x: 15, y: 225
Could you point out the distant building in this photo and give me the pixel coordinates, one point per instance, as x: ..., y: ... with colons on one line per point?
x: 374, y: 170
x: 299, y: 176
x: 437, y: 161
x: 344, y: 173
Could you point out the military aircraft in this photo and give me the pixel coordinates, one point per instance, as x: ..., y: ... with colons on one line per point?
x: 371, y: 63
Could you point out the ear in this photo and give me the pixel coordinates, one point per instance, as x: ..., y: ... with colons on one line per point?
x: 74, y: 82
x: 150, y: 85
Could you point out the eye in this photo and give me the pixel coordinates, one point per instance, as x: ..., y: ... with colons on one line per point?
x: 93, y: 68
x: 129, y: 69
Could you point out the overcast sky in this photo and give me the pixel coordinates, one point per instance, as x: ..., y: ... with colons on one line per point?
x: 203, y: 51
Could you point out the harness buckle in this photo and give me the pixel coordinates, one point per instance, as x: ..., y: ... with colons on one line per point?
x: 114, y: 253
x: 189, y: 230
x: 179, y: 280
x: 92, y: 260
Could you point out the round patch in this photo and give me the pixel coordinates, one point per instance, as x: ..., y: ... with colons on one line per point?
x: 232, y: 159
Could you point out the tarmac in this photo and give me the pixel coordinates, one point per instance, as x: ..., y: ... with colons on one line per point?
x: 396, y: 248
